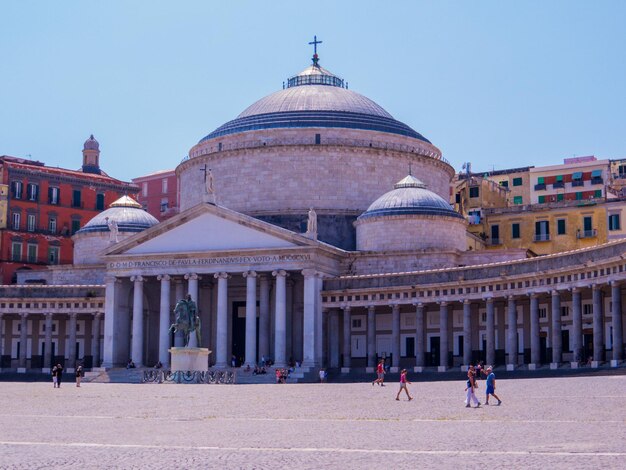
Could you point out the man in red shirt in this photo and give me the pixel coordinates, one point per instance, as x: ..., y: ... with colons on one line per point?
x: 380, y: 371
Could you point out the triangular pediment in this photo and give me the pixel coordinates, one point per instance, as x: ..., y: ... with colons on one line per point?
x: 207, y: 228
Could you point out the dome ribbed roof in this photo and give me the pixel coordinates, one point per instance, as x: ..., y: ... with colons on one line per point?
x: 91, y: 144
x: 315, y: 98
x: 409, y: 197
x: 126, y: 212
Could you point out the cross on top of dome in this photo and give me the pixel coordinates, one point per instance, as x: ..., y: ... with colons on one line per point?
x: 314, y: 74
x: 315, y: 42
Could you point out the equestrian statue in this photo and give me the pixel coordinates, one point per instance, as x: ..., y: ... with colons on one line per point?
x: 186, y: 320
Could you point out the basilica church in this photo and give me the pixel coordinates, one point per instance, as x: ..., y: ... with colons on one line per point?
x: 314, y: 228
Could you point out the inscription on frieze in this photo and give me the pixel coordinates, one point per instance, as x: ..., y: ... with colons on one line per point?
x: 161, y: 263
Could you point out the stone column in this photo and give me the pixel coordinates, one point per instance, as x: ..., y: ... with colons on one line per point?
x: 395, y: 337
x: 47, y: 357
x: 95, y: 342
x: 535, y: 348
x: 280, y: 319
x: 221, y: 343
x: 371, y: 336
x: 467, y: 334
x: 310, y: 281
x: 319, y: 332
x: 491, y: 332
x: 110, y: 341
x: 512, y: 333
x: 616, y: 319
x: 137, y: 342
x: 2, y: 339
x: 23, y: 341
x: 164, y: 320
x: 577, y: 327
x: 598, y: 326
x: 250, y: 277
x: 333, y: 334
x: 420, y: 337
x: 264, y: 316
x: 71, y: 353
x: 443, y: 336
x: 347, y: 339
x: 557, y: 340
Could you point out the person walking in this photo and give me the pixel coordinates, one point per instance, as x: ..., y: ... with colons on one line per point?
x: 403, y: 383
x: 491, y: 386
x: 380, y: 373
x: 471, y: 386
x: 54, y: 377
x: 59, y: 375
x: 79, y: 374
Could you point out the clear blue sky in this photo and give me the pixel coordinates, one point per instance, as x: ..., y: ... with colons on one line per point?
x: 499, y: 84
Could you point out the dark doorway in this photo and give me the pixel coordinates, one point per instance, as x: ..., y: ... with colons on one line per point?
x: 239, y: 332
x: 543, y: 349
x: 434, y: 351
x: 410, y: 347
x: 588, y: 345
x: 460, y: 345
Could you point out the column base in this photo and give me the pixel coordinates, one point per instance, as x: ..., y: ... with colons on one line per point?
x: 510, y: 367
x: 345, y: 370
x: 370, y: 370
x: 573, y: 365
x: 595, y: 364
x: 554, y: 365
x: 418, y: 369
x: 533, y: 366
x: 21, y: 370
x: 394, y: 370
x: 442, y: 368
x: 615, y: 363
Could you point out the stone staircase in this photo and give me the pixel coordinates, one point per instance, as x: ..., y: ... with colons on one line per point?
x: 115, y: 375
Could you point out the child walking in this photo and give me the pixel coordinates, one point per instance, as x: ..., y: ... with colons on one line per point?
x: 491, y: 386
x: 403, y: 382
x: 380, y: 373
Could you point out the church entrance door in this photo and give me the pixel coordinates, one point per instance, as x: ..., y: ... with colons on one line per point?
x: 238, y: 344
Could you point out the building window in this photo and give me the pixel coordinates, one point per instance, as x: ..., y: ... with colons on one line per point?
x: 52, y: 224
x: 559, y: 197
x: 16, y: 251
x: 517, y: 181
x: 164, y: 204
x: 542, y: 231
x: 164, y: 185
x: 564, y: 311
x: 32, y: 192
x: 15, y: 222
x: 144, y: 188
x: 579, y: 196
x: 16, y: 189
x: 75, y: 226
x: 614, y: 222
x: 542, y: 199
x: 474, y: 191
x: 31, y: 222
x: 31, y: 252
x: 76, y: 198
x: 543, y: 313
x: 53, y: 195
x: 495, y: 235
x: 99, y: 202
x: 517, y: 199
x: 515, y: 233
x: 356, y: 323
x: 504, y: 184
x: 560, y: 227
x: 587, y: 309
x: 541, y: 180
x: 597, y: 193
x: 318, y: 139
x: 53, y: 255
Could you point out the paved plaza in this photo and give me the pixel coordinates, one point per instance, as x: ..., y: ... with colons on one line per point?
x: 574, y: 422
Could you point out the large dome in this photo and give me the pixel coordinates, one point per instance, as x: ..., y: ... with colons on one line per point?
x: 315, y: 98
x: 410, y: 197
x: 126, y: 212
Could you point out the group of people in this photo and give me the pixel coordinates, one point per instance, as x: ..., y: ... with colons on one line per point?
x: 57, y: 375
x: 259, y: 370
x: 282, y: 374
x: 473, y: 374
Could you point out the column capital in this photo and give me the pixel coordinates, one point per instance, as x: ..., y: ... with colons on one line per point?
x: 109, y: 278
x: 192, y: 277
x: 554, y: 292
x: 252, y: 274
x: 443, y: 303
x: 371, y: 307
x: 221, y: 275
x: 24, y: 314
x: 574, y: 289
x: 309, y: 272
x: 394, y: 305
x: 346, y: 308
x: 510, y: 297
x: 280, y: 272
x: 616, y: 283
x: 164, y: 277
x: 72, y: 315
x: 97, y: 315
x: 532, y: 295
x: 418, y: 304
x: 137, y: 278
x: 466, y: 301
x: 489, y: 300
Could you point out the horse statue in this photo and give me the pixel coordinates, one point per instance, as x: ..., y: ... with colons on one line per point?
x: 186, y: 320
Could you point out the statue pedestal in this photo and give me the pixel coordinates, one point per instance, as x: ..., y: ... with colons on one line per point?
x: 189, y: 359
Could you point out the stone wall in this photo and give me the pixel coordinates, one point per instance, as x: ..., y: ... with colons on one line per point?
x: 65, y: 275
x: 88, y: 247
x: 411, y: 232
x: 289, y: 176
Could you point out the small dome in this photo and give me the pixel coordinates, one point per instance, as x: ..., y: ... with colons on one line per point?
x: 126, y: 212
x: 409, y: 197
x: 91, y: 144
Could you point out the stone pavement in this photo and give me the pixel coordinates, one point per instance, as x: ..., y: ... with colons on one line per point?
x: 573, y: 422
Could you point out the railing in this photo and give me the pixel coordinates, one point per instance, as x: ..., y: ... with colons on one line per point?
x: 576, y: 183
x: 558, y: 184
x: 587, y: 233
x: 540, y: 187
x: 541, y: 237
x: 597, y: 180
x: 189, y: 377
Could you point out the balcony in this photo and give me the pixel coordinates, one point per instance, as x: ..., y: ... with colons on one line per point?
x: 597, y: 180
x: 558, y: 184
x: 541, y: 237
x: 576, y: 183
x: 540, y: 187
x: 587, y: 233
